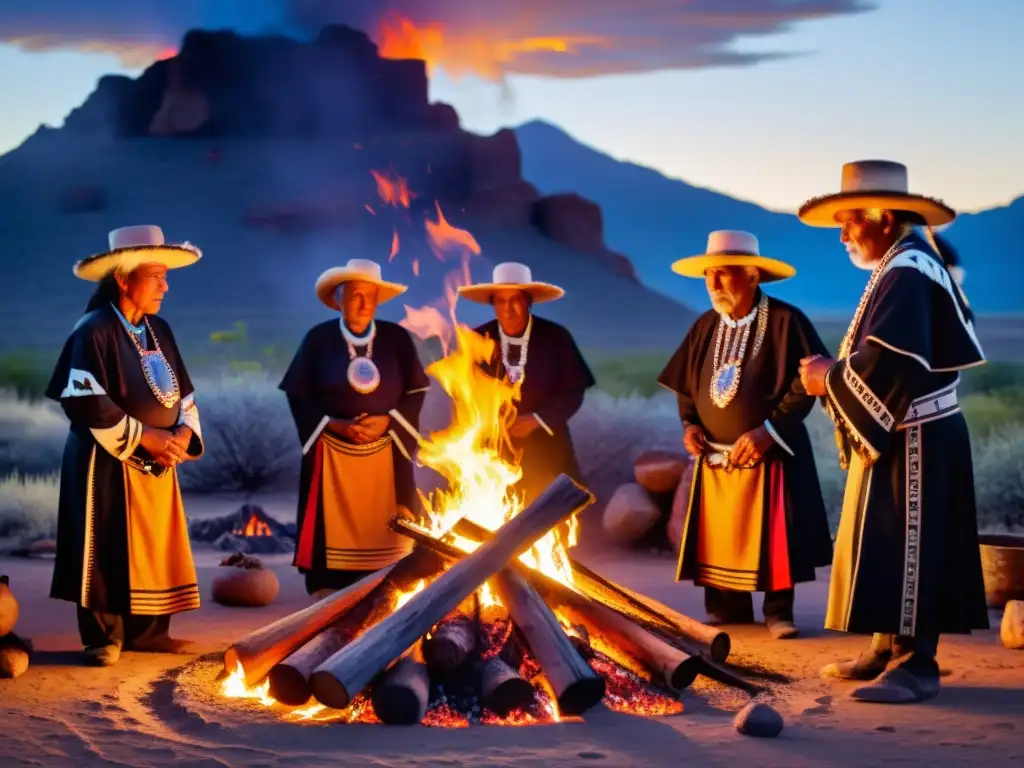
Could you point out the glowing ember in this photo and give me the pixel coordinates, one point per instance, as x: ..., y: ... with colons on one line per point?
x: 253, y: 527
x: 394, y: 246
x: 625, y: 692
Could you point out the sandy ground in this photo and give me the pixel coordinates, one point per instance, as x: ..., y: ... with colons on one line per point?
x: 153, y: 710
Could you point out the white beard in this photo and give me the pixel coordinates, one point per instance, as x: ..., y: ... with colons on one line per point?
x: 860, y: 262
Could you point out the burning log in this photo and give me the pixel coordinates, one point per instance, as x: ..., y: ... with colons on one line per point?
x: 449, y: 647
x: 676, y: 668
x: 502, y: 688
x: 259, y: 651
x: 402, y: 695
x: 576, y: 686
x: 289, y: 678
x: 693, y: 636
x: 338, y: 680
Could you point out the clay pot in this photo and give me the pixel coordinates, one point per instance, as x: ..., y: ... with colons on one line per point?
x: 8, y: 607
x: 1002, y: 562
x: 245, y: 587
x: 1011, y: 631
x: 659, y: 471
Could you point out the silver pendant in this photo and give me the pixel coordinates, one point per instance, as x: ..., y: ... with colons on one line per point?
x: 515, y: 373
x: 725, y: 382
x: 363, y: 375
x: 161, y: 379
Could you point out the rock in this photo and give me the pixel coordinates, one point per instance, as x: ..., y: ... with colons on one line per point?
x: 680, y: 503
x: 84, y: 199
x: 659, y: 471
x: 507, y: 206
x: 182, y: 110
x: 1011, y: 631
x: 760, y: 720
x: 15, y: 654
x: 629, y: 514
x: 577, y: 222
x: 494, y: 161
x: 8, y: 607
x: 442, y: 117
x: 246, y: 583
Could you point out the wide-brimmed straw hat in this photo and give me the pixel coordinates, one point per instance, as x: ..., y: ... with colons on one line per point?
x: 363, y: 270
x: 131, y: 247
x: 879, y: 184
x: 511, y: 275
x: 733, y: 248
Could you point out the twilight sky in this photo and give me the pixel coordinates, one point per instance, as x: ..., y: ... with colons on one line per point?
x: 760, y: 99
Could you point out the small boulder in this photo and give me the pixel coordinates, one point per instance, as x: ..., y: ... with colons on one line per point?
x: 630, y: 514
x: 759, y: 720
x: 1011, y: 631
x: 659, y: 471
x: 15, y: 654
x: 246, y: 583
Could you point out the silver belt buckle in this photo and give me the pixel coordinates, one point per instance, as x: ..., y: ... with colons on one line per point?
x: 718, y: 459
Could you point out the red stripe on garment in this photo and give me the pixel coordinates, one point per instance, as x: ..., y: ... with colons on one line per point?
x: 779, y: 576
x: 304, y: 546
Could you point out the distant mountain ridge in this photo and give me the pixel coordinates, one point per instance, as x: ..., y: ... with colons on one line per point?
x: 655, y: 220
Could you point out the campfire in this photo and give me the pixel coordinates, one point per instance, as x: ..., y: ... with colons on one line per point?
x: 248, y: 530
x: 489, y: 620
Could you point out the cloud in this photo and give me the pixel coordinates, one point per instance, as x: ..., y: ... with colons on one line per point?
x: 493, y: 39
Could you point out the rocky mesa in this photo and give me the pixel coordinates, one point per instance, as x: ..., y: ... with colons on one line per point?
x: 337, y: 87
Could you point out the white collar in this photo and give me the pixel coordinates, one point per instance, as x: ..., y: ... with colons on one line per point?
x: 358, y: 341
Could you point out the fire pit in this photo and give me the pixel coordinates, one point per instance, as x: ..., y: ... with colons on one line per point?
x: 249, y: 531
x: 488, y: 619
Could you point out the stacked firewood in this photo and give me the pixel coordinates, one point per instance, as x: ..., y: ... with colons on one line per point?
x: 402, y: 636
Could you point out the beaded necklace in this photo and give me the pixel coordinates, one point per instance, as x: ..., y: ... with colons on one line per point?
x: 732, y: 337
x: 157, y: 371
x: 515, y: 372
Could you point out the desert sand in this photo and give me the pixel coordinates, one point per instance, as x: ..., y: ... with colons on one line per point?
x: 152, y: 710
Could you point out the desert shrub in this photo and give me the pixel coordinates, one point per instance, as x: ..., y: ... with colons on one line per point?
x: 28, y: 507
x: 250, y: 440
x: 989, y: 411
x: 25, y: 374
x: 32, y: 435
x: 628, y: 375
x: 999, y: 478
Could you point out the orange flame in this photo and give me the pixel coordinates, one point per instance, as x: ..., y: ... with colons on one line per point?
x: 393, y: 189
x: 394, y: 246
x: 444, y: 238
x: 253, y: 527
x: 486, y: 54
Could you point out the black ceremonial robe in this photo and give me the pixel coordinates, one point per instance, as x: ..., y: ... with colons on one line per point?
x: 770, y: 393
x: 317, y: 387
x: 111, y: 558
x: 554, y: 383
x: 907, y: 560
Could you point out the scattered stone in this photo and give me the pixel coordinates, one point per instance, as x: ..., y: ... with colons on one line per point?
x: 1011, y: 632
x: 758, y: 720
x: 247, y: 584
x: 15, y: 654
x: 660, y: 471
x: 629, y: 514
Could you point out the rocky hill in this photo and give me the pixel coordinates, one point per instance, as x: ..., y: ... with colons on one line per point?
x: 280, y: 158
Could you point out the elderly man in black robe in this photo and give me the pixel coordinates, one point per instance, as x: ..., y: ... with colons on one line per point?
x: 907, y: 565
x: 123, y: 552
x: 544, y: 356
x: 756, y: 521
x: 350, y: 375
